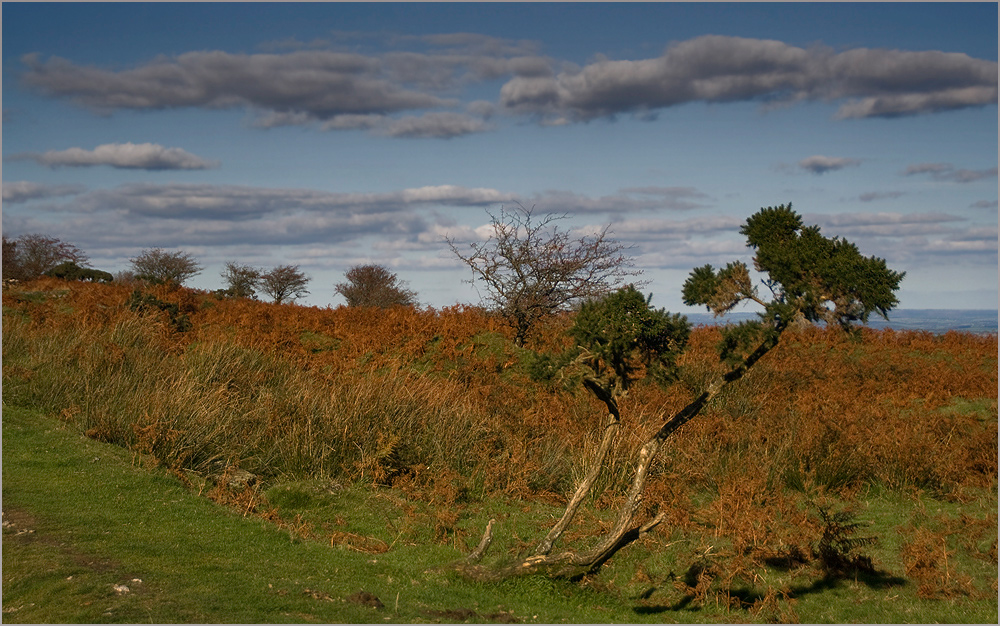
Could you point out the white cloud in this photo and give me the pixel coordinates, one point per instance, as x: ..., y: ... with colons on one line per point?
x: 144, y: 156
x: 23, y: 191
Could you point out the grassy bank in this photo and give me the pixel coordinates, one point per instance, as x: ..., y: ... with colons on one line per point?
x: 82, y: 517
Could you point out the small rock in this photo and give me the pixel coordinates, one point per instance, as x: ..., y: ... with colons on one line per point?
x: 240, y: 479
x: 120, y: 589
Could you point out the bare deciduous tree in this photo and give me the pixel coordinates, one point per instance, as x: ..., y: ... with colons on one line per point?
x: 30, y: 256
x: 158, y: 266
x: 283, y: 283
x: 531, y: 269
x: 241, y: 280
x: 375, y: 286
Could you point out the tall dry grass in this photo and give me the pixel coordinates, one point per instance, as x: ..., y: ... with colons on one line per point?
x: 403, y: 394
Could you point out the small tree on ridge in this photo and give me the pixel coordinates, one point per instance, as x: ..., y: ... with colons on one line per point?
x: 160, y: 267
x: 283, y: 283
x: 241, y: 280
x: 375, y: 286
x: 30, y: 256
x: 531, y: 269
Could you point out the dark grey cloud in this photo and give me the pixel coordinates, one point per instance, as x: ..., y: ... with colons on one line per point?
x: 320, y: 84
x: 144, y: 156
x: 819, y: 164
x: 175, y: 214
x: 309, y: 85
x: 712, y: 68
x: 442, y: 125
x: 22, y: 191
x: 339, y: 90
x: 948, y: 172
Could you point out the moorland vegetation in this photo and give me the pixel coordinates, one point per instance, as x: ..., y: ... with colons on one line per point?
x: 456, y: 407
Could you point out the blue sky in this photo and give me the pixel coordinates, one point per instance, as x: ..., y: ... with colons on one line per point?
x: 328, y: 135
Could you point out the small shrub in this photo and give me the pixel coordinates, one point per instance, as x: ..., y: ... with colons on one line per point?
x: 142, y: 302
x: 837, y: 547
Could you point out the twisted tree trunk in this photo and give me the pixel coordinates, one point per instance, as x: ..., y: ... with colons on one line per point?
x: 575, y: 565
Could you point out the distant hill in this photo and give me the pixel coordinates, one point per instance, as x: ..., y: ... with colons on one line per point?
x: 979, y: 321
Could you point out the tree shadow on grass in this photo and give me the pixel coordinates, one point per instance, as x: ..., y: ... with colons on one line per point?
x: 875, y: 579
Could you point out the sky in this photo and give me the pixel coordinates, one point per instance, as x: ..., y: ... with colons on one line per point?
x: 328, y: 135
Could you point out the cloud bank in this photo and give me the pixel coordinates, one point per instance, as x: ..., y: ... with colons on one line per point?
x: 351, y: 90
x: 712, y: 68
x: 142, y: 156
x: 23, y: 191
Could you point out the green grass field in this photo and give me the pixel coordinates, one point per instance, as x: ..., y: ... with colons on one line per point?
x: 83, y: 520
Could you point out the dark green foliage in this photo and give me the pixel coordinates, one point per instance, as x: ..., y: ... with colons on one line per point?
x: 552, y: 368
x: 68, y: 270
x: 812, y: 278
x: 721, y: 291
x: 700, y: 286
x: 623, y: 330
x: 143, y: 302
x: 814, y: 272
x: 738, y: 340
x: 836, y: 548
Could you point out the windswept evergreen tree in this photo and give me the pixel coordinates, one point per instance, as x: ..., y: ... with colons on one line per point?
x: 807, y: 276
